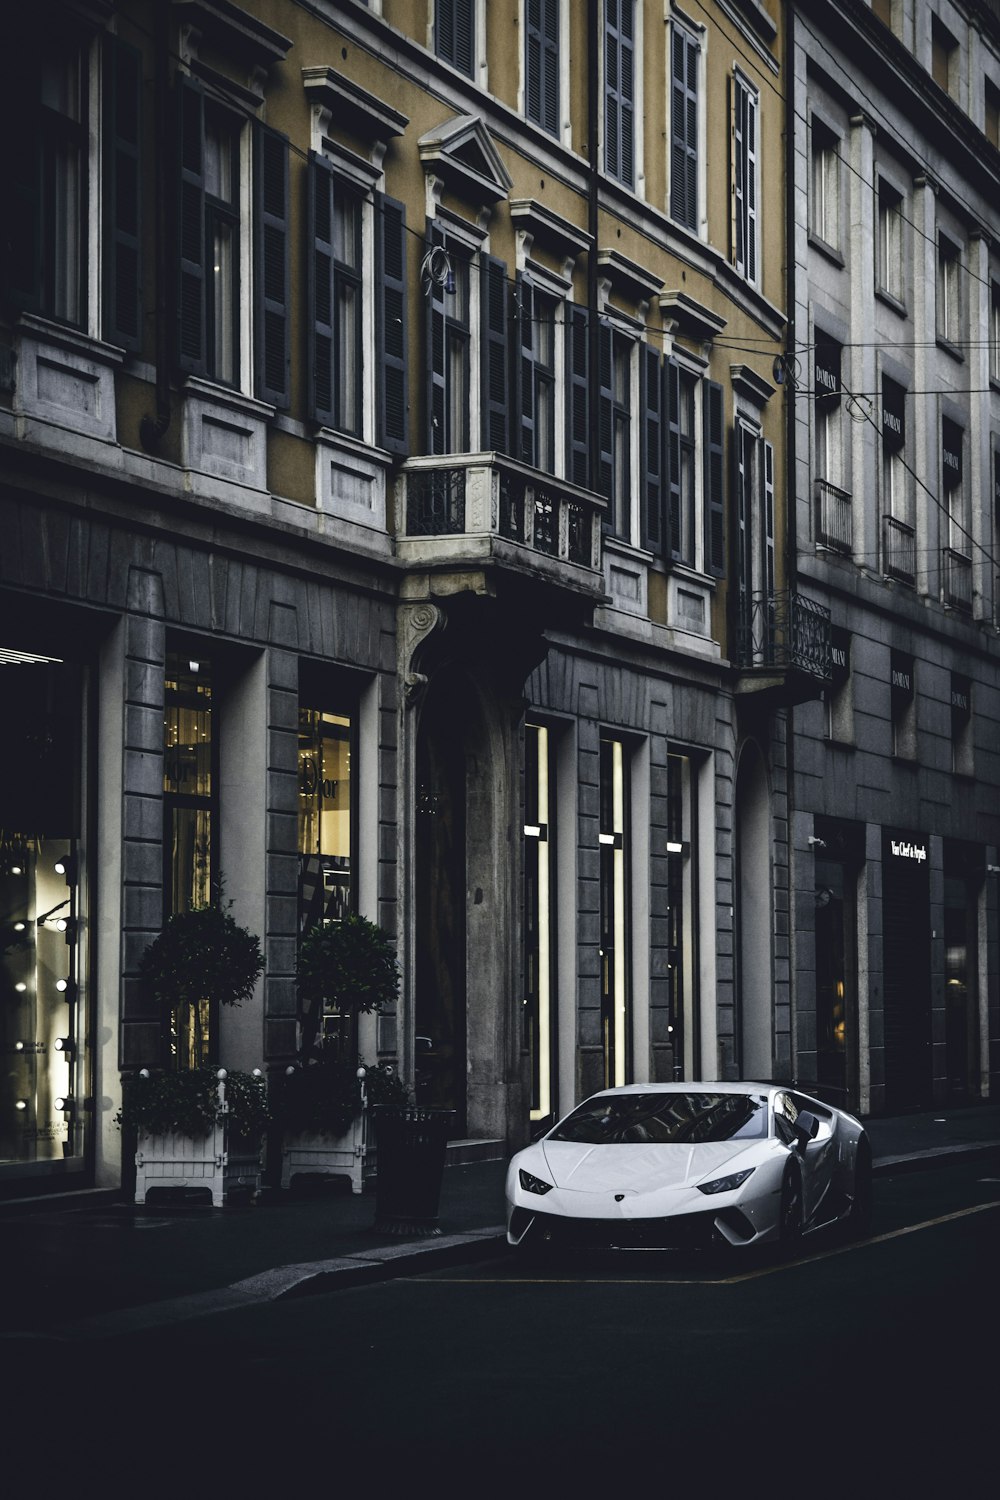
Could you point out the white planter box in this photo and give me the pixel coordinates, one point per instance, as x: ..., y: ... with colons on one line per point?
x: 331, y: 1155
x: 182, y: 1161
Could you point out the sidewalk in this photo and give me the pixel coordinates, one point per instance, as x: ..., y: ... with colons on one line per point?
x: 91, y: 1265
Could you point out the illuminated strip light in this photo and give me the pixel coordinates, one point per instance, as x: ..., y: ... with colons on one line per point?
x: 10, y: 658
x: 618, y: 816
x: 544, y: 909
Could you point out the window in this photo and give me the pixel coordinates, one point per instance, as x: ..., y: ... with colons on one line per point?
x: 889, y: 268
x: 58, y: 185
x: 541, y: 64
x: 745, y: 230
x: 685, y: 61
x: 825, y: 205
x: 43, y: 981
x: 449, y: 350
x: 902, y: 702
x: 684, y: 488
x: 344, y: 279
x: 681, y: 917
x: 957, y: 561
x: 883, y: 9
x: 221, y: 323
x: 991, y: 113
x: 535, y: 376
x: 944, y: 56
x: 754, y: 517
x: 615, y: 427
x: 539, y: 890
x: 327, y: 833
x: 899, y: 539
x: 949, y: 310
x: 613, y: 913
x: 681, y: 461
x: 827, y: 361
x: 190, y: 826
x: 455, y: 33
x: 619, y: 90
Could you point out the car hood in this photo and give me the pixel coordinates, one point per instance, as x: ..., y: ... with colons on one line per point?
x: 638, y: 1169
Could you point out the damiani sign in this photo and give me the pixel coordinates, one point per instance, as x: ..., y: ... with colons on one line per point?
x: 903, y: 849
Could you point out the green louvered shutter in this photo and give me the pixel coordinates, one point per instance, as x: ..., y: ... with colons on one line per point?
x: 271, y: 267
x: 390, y: 321
x: 190, y: 310
x: 122, y: 91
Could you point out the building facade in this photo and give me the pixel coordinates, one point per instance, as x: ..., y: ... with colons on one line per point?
x: 393, y: 516
x: 895, y: 440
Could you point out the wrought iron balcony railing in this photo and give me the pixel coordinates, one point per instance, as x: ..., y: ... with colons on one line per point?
x: 957, y: 579
x: 900, y: 541
x: 783, y: 631
x: 489, y: 499
x: 834, y: 520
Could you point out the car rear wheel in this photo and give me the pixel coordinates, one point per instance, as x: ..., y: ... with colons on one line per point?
x: 790, y: 1221
x: 860, y: 1217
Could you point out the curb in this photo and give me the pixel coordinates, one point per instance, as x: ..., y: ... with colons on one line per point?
x: 915, y: 1161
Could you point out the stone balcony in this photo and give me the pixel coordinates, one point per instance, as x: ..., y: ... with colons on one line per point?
x: 489, y: 516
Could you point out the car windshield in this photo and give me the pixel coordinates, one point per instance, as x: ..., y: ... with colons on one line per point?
x: 666, y: 1119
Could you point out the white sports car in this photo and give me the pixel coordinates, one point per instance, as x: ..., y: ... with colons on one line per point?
x: 677, y: 1165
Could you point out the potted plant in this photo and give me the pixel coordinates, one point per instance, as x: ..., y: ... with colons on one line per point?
x: 190, y: 1116
x: 196, y: 1128
x: 345, y: 969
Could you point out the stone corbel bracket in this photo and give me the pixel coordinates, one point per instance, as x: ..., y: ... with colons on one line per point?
x: 416, y: 623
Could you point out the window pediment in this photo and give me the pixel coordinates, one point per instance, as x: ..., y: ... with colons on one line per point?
x: 549, y: 229
x: 627, y: 277
x: 350, y: 104
x: 692, y: 318
x: 461, y: 153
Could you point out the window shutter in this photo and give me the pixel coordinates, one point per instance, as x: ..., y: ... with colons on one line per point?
x: 21, y: 235
x: 740, y: 483
x: 542, y: 64
x: 673, y: 456
x: 578, y: 364
x: 767, y: 501
x: 321, y: 366
x: 190, y: 335
x: 605, y: 429
x: 493, y: 302
x: 122, y: 83
x: 684, y: 129
x: 653, y: 452
x: 523, y: 437
x: 715, y: 472
x: 434, y: 354
x: 619, y: 90
x: 750, y: 187
x: 271, y: 269
x: 454, y: 32
x: 391, y: 322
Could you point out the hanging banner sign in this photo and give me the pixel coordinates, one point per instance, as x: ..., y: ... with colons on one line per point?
x: 826, y: 370
x: 908, y: 849
x: 951, y: 451
x: 893, y: 413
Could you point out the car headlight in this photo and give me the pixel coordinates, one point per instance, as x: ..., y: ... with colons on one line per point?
x: 726, y: 1184
x: 532, y: 1184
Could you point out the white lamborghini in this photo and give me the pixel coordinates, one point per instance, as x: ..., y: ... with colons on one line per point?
x: 691, y: 1165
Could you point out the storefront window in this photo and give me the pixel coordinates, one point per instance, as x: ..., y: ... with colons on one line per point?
x: 537, y: 1005
x: 681, y: 926
x: 326, y: 825
x: 614, y: 913
x: 189, y: 825
x: 42, y: 1013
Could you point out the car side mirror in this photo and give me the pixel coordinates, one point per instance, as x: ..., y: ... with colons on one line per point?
x: 806, y: 1126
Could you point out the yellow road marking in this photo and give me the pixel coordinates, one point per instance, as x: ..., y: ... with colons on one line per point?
x: 878, y: 1239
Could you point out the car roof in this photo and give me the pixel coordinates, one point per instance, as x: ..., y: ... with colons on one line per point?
x: 704, y: 1087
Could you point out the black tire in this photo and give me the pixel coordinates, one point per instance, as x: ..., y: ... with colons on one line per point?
x: 859, y: 1220
x: 790, y: 1220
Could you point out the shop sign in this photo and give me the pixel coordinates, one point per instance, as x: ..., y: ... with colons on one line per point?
x: 960, y: 699
x: 311, y: 782
x: 951, y: 451
x: 908, y: 849
x: 901, y: 670
x: 826, y: 370
x: 893, y: 414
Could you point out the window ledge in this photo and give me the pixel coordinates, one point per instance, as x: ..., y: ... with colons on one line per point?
x: 949, y: 348
x: 848, y: 746
x: 890, y: 301
x: 828, y: 251
x: 65, y: 378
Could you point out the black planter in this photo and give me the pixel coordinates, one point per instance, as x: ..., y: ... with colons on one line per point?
x: 410, y: 1143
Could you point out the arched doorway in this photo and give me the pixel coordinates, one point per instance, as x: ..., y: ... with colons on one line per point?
x: 754, y: 922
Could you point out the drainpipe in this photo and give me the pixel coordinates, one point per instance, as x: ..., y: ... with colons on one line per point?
x: 153, y: 428
x: 593, y: 352
x: 791, y: 506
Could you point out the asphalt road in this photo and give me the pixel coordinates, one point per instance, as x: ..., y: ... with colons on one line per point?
x: 855, y: 1369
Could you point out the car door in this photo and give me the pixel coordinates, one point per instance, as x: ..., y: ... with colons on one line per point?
x: 818, y: 1156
